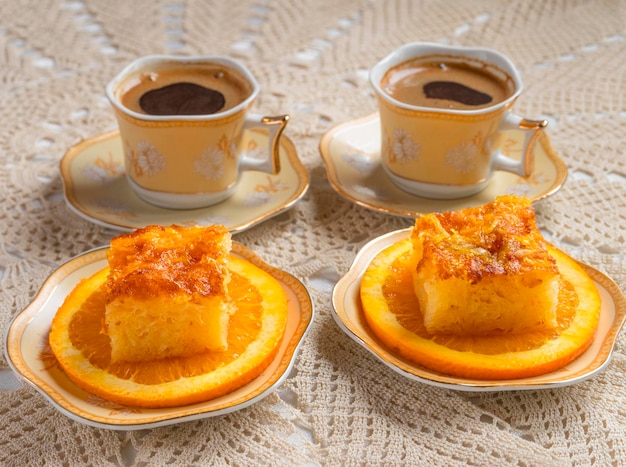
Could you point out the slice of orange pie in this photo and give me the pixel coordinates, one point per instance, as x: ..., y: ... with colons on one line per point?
x: 483, y: 270
x: 478, y: 294
x: 167, y: 292
x: 174, y: 319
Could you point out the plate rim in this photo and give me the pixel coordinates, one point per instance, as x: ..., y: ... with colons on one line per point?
x: 333, y: 176
x: 286, y: 359
x: 69, y: 192
x: 412, y: 371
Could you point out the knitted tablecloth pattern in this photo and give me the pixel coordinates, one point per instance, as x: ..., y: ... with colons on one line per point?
x: 339, y: 406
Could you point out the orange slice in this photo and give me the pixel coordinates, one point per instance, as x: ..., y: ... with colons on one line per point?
x: 255, y: 331
x: 392, y: 312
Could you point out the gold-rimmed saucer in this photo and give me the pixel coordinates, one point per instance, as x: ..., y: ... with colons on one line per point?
x: 348, y: 313
x: 29, y: 354
x: 96, y: 188
x: 351, y: 153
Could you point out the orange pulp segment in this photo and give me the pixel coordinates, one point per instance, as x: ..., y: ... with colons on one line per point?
x: 255, y: 331
x: 391, y: 310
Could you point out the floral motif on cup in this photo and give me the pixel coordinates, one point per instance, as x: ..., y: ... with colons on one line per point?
x: 145, y: 159
x: 254, y: 151
x: 464, y: 156
x: 210, y: 164
x: 227, y: 146
x: 403, y: 147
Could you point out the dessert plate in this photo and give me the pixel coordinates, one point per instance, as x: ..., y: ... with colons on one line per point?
x: 351, y: 153
x: 96, y: 188
x: 349, y: 315
x: 29, y: 354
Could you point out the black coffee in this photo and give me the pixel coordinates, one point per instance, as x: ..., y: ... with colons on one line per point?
x: 457, y: 92
x: 427, y: 82
x: 182, y: 99
x: 185, y: 89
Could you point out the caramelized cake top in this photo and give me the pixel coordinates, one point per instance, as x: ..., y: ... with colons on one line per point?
x: 498, y: 238
x: 163, y: 261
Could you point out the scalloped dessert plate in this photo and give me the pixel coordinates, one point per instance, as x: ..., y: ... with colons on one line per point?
x: 96, y: 188
x: 351, y: 153
x: 29, y: 354
x: 349, y: 316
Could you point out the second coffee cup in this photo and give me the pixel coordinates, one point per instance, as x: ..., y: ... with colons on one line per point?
x: 442, y: 112
x: 182, y: 122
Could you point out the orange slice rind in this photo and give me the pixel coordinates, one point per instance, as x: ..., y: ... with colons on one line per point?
x: 392, y: 313
x: 255, y: 333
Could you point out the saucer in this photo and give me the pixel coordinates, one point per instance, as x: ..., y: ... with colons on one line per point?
x: 348, y: 314
x: 96, y: 188
x: 29, y: 354
x: 351, y: 153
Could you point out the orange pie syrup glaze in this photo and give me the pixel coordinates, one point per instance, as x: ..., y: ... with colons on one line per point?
x: 399, y: 293
x: 86, y: 326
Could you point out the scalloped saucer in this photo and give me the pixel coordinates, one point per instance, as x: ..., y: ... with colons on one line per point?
x: 96, y: 188
x: 29, y: 354
x: 348, y: 314
x: 351, y: 153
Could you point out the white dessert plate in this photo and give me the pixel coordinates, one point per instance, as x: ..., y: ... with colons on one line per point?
x: 351, y: 153
x: 96, y: 188
x: 349, y: 315
x: 29, y: 354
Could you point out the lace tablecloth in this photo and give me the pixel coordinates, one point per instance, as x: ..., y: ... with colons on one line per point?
x: 339, y: 406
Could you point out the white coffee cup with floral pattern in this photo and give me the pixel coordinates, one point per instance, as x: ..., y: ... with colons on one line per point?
x: 440, y: 133
x: 182, y: 122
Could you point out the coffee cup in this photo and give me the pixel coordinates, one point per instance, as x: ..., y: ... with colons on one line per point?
x: 182, y: 122
x: 443, y: 111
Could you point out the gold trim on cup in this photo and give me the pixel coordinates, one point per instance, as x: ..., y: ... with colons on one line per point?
x: 209, y: 123
x: 282, y: 121
x: 537, y: 125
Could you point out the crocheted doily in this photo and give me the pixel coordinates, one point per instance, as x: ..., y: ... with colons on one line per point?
x: 339, y: 406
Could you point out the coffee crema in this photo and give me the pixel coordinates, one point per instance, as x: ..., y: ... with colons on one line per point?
x: 444, y: 84
x: 185, y: 89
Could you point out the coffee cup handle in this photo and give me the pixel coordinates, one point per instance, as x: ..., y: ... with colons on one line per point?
x: 275, y: 126
x: 524, y: 166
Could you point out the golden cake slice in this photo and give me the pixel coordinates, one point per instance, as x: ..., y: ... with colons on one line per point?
x: 484, y: 270
x: 392, y: 312
x: 256, y: 328
x: 167, y: 292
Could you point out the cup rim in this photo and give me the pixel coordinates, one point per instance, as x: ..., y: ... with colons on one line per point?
x: 152, y: 59
x: 416, y: 49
